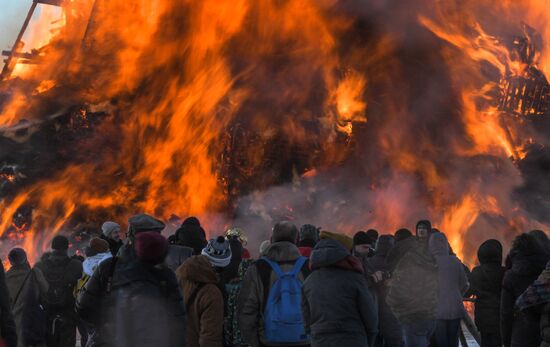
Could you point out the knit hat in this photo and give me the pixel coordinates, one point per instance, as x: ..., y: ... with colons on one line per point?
x: 151, y: 247
x: 99, y: 245
x: 218, y: 252
x: 309, y: 232
x: 284, y: 231
x: 144, y: 223
x: 345, y: 240
x: 17, y: 256
x: 60, y: 243
x: 109, y: 227
x: 237, y: 233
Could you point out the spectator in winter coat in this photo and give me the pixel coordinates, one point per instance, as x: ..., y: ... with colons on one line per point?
x: 452, y: 286
x: 133, y: 300
x: 204, y: 302
x: 486, y: 285
x: 337, y: 307
x: 8, y: 331
x: 528, y: 261
x: 110, y: 232
x: 259, y: 279
x: 191, y: 234
x: 307, y: 239
x: 537, y: 299
x: 62, y: 274
x: 390, y: 330
x: 414, y: 302
x: 20, y: 279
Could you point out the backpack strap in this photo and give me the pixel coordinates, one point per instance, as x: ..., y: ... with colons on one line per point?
x: 274, y: 266
x: 265, y: 266
x: 298, y: 266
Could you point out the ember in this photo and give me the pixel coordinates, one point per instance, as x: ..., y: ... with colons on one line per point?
x: 354, y: 114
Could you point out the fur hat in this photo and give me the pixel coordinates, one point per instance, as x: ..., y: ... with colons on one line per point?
x: 218, y: 252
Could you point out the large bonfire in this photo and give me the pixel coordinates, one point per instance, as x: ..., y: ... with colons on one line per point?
x: 347, y: 114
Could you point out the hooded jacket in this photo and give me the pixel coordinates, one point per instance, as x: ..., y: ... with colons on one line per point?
x: 18, y: 283
x: 73, y: 272
x: 336, y: 303
x: 91, y: 263
x: 7, y: 324
x: 486, y: 285
x: 451, y: 278
x: 198, y: 279
x: 520, y: 329
x: 389, y: 327
x: 250, y: 304
x: 410, y: 299
x: 131, y: 303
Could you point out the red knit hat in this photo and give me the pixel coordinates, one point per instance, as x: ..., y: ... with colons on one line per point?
x: 151, y: 247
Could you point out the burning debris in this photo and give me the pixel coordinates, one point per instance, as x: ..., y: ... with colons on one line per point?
x: 352, y: 118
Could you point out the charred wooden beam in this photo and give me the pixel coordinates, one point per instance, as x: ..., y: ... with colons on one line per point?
x: 28, y: 56
x: 17, y: 46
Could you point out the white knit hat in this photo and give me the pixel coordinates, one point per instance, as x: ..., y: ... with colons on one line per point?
x: 218, y: 252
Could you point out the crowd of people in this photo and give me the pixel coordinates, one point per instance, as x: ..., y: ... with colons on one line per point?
x: 308, y: 287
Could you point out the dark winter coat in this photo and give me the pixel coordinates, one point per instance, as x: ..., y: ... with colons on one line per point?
x: 389, y: 327
x: 545, y: 326
x: 486, y: 285
x: 521, y: 329
x: 8, y: 330
x: 337, y: 305
x: 451, y: 278
x: 399, y: 250
x: 410, y: 299
x: 114, y: 246
x: 205, y: 313
x: 73, y: 272
x: 20, y: 281
x: 177, y: 255
x: 143, y: 308
x: 252, y: 296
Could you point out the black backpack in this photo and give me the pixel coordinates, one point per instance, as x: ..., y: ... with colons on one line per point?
x: 60, y: 291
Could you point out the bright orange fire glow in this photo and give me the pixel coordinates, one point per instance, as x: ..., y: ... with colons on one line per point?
x: 173, y: 77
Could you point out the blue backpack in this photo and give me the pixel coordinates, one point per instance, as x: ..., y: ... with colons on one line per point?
x: 283, y: 322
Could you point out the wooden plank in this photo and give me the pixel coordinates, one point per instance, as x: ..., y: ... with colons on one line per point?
x: 12, y: 59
